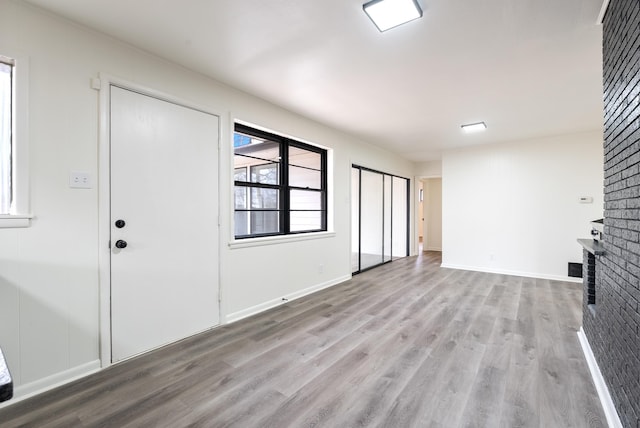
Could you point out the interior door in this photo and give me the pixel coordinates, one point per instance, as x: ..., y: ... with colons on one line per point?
x: 164, y: 232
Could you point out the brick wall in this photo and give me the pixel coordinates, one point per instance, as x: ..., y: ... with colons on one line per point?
x: 613, y: 331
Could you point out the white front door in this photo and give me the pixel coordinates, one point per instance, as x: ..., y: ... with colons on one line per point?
x: 164, y: 196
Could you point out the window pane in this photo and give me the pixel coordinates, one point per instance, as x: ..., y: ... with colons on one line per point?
x: 265, y: 222
x: 305, y: 220
x: 240, y: 197
x: 240, y: 140
x: 305, y: 200
x: 240, y: 174
x: 240, y: 161
x: 5, y: 138
x: 265, y: 174
x: 306, y: 158
x: 241, y: 223
x: 265, y: 198
x: 303, y: 177
x: 250, y: 151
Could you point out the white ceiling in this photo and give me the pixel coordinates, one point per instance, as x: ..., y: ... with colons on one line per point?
x: 528, y: 68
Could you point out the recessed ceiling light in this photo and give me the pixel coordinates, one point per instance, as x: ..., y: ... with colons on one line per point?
x: 474, y: 127
x: 387, y: 14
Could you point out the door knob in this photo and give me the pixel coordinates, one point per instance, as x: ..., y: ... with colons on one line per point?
x: 121, y: 244
x: 120, y: 224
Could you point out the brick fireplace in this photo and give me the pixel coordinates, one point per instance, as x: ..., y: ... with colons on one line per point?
x: 611, y: 316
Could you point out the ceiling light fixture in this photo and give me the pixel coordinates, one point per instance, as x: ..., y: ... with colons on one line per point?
x: 387, y: 14
x: 474, y: 127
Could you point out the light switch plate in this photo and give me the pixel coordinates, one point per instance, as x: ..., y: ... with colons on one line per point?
x: 80, y: 180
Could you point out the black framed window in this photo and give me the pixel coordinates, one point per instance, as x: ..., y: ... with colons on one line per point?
x: 280, y: 185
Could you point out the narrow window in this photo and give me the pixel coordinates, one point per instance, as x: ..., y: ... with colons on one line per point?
x: 6, y: 125
x: 280, y: 185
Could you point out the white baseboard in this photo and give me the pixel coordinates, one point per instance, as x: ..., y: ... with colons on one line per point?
x: 432, y: 249
x: 28, y: 390
x: 237, y: 316
x: 603, y: 392
x: 512, y: 272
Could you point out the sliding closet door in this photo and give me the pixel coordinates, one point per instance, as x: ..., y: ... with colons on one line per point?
x: 371, y: 219
x: 387, y: 218
x: 379, y: 221
x: 400, y: 226
x: 355, y: 219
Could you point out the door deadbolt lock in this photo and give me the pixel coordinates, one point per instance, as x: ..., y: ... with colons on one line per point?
x: 120, y: 224
x: 121, y: 244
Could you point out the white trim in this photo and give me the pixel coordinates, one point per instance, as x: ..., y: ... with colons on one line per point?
x: 104, y: 82
x: 226, y: 208
x: 272, y: 240
x: 104, y: 229
x: 603, y: 11
x: 603, y: 392
x: 237, y: 316
x: 512, y: 272
x: 12, y: 221
x: 41, y: 385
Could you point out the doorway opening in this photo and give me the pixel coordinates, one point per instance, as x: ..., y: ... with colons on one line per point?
x: 430, y: 214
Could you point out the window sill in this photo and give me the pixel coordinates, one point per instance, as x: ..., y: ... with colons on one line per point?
x: 273, y: 240
x: 9, y: 221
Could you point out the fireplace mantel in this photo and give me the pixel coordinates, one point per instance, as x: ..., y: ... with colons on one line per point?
x: 594, y: 247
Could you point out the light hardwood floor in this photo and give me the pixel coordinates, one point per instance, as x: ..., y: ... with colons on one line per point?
x: 408, y: 344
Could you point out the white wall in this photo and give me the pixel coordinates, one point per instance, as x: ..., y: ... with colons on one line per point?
x: 49, y: 286
x: 429, y: 169
x: 515, y: 207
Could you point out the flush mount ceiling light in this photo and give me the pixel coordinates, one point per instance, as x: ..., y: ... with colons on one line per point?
x: 387, y: 14
x: 474, y: 127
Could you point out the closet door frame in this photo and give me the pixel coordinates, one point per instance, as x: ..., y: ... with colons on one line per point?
x: 384, y: 245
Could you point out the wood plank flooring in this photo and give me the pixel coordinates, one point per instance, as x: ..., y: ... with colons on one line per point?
x: 408, y: 344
